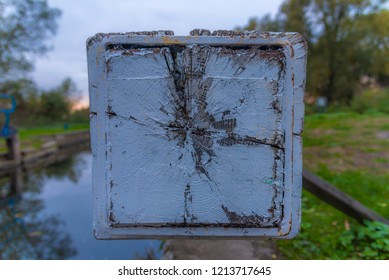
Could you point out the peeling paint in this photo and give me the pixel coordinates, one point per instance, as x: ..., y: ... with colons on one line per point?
x: 188, y: 216
x: 200, y: 32
x: 246, y: 220
x: 200, y: 132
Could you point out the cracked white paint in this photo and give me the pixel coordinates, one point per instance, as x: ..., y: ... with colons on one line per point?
x: 200, y: 135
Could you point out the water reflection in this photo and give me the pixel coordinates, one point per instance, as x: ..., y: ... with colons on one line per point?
x: 46, y: 213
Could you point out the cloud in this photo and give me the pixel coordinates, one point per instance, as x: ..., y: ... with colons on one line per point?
x: 82, y: 19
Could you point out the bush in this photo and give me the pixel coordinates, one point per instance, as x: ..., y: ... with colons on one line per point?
x: 371, y: 101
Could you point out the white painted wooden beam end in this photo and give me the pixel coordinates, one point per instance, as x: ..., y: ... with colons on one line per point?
x: 196, y: 136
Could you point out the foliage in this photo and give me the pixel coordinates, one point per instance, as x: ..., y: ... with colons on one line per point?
x: 346, y: 150
x: 376, y: 31
x: 56, y: 103
x: 367, y: 243
x: 80, y: 116
x: 371, y: 101
x: 24, y: 91
x: 37, y: 107
x: 347, y: 40
x: 25, y: 26
x: 327, y: 233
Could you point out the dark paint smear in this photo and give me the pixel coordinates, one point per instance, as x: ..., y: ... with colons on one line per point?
x: 247, y: 220
x: 188, y: 216
x: 187, y: 68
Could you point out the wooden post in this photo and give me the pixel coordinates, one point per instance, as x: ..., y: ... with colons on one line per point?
x: 13, y: 147
x: 196, y: 135
x: 16, y: 180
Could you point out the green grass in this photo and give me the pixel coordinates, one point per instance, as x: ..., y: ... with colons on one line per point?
x: 371, y: 189
x: 344, y: 130
x: 31, y: 137
x: 345, y: 150
x: 26, y: 133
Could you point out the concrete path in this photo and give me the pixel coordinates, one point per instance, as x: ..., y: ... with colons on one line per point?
x: 221, y: 250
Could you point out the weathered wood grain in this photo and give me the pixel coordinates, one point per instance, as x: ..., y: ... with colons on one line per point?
x: 196, y: 135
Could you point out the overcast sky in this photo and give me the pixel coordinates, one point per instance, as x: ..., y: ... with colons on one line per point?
x: 83, y: 18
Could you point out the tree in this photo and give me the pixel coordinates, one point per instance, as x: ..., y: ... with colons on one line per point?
x: 25, y: 27
x: 292, y: 16
x: 341, y: 43
x: 347, y: 39
x: 377, y: 42
x: 56, y: 103
x: 36, y: 106
x: 25, y: 92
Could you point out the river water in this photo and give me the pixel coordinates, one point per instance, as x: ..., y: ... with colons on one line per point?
x: 46, y: 213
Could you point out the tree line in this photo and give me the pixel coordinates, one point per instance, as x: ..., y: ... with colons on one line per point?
x: 38, y: 107
x: 348, y: 42
x: 26, y: 27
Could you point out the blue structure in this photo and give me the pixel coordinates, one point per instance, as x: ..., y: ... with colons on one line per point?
x: 7, y: 131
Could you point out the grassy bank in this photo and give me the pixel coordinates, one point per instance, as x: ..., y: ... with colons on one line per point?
x: 351, y: 151
x: 26, y: 133
x: 32, y: 137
